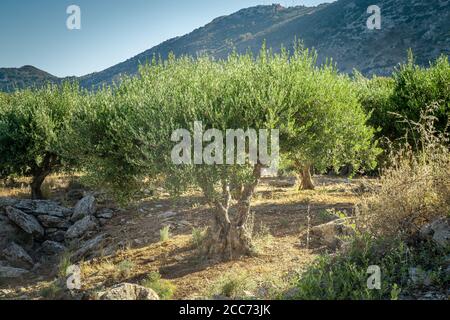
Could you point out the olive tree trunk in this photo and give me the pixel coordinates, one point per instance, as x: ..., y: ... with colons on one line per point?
x: 39, y: 175
x: 229, y: 238
x: 305, y: 181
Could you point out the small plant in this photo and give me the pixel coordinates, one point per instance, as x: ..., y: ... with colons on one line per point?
x: 198, y: 235
x: 51, y: 292
x: 64, y: 264
x: 125, y: 268
x: 164, y: 288
x: 233, y: 286
x: 164, y: 234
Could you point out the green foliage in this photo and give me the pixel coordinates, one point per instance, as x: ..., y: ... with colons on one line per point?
x: 345, y: 276
x: 164, y: 288
x: 125, y: 135
x: 232, y: 285
x: 125, y: 268
x: 198, y: 235
x: 408, y: 93
x: 164, y: 234
x: 32, y: 124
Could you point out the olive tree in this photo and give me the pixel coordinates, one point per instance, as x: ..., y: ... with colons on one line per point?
x: 31, y: 125
x: 176, y: 122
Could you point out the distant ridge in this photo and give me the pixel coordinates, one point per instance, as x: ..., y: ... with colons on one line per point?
x: 337, y: 30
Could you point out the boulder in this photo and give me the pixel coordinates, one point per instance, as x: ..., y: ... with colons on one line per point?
x: 10, y: 232
x: 85, y: 207
x: 87, y: 248
x: 80, y: 228
x: 12, y: 273
x: 43, y: 207
x: 7, y: 202
x: 52, y: 248
x: 438, y: 231
x: 26, y: 222
x: 329, y: 235
x: 17, y: 256
x: 55, y: 235
x: 167, y: 215
x: 129, y: 292
x: 53, y: 222
x: 105, y: 214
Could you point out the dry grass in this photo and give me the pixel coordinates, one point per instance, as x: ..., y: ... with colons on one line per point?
x: 415, y: 190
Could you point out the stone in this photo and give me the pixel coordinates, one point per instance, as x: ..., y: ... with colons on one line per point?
x: 12, y: 273
x: 80, y: 228
x: 129, y: 292
x: 26, y: 222
x: 88, y: 247
x: 17, y: 256
x: 438, y: 231
x: 52, y: 248
x: 168, y: 214
x: 53, y: 222
x: 105, y: 214
x: 75, y: 194
x: 10, y: 232
x: 7, y: 202
x: 57, y: 236
x: 328, y: 235
x: 85, y: 207
x: 43, y: 207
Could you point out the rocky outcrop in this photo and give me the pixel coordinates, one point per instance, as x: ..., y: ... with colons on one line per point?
x: 128, y: 291
x: 32, y: 230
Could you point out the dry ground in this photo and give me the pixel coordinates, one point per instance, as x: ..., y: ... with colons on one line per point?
x: 280, y: 213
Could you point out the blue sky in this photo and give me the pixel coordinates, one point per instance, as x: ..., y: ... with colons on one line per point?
x: 33, y: 32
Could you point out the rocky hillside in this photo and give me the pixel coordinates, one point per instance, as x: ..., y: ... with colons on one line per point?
x: 27, y: 76
x: 337, y: 30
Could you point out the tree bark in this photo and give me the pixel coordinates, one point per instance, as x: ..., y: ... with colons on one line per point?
x: 230, y: 238
x: 305, y: 181
x: 39, y: 175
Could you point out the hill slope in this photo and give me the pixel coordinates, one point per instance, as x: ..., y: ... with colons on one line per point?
x: 337, y: 30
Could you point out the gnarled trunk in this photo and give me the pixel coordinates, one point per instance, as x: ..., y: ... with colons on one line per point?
x: 305, y: 181
x: 230, y: 238
x: 39, y: 175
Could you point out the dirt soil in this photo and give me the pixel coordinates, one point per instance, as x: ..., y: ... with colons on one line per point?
x: 135, y: 250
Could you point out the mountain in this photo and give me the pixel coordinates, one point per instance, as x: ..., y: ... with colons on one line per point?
x: 27, y: 76
x: 337, y: 30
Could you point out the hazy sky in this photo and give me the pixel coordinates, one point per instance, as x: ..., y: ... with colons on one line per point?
x: 34, y: 32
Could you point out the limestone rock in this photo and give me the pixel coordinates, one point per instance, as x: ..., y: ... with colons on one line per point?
x: 17, y: 256
x: 328, y: 235
x: 12, y: 273
x: 438, y: 230
x: 53, y: 222
x: 26, y: 222
x: 87, y: 248
x: 128, y: 291
x: 88, y: 223
x: 52, y: 248
x: 85, y: 207
x: 43, y: 207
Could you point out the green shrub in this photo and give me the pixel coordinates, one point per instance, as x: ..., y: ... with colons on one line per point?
x: 232, y: 285
x: 345, y: 276
x: 198, y: 235
x: 164, y: 234
x: 164, y: 288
